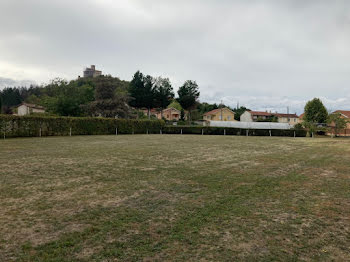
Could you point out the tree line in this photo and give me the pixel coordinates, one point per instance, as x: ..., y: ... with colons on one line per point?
x: 109, y: 96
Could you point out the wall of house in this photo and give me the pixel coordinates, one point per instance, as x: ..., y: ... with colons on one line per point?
x: 246, y: 117
x: 226, y: 114
x: 291, y: 121
x: 22, y: 110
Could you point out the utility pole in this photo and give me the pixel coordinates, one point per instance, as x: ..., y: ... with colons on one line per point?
x: 221, y: 110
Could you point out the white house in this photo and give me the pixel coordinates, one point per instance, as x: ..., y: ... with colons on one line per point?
x: 27, y: 109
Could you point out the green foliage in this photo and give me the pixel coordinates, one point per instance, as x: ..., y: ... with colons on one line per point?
x: 231, y: 131
x: 110, y: 100
x: 239, y: 111
x: 66, y: 98
x: 188, y: 96
x: 205, y: 107
x: 163, y: 92
x: 315, y: 111
x: 175, y: 104
x: 141, y: 91
x: 28, y: 126
x: 336, y: 122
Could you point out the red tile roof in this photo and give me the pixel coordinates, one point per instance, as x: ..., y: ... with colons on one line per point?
x: 212, y: 112
x: 261, y: 113
x: 343, y: 112
x: 215, y: 111
x: 286, y: 115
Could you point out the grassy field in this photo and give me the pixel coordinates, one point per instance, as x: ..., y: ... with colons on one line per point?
x: 174, y: 198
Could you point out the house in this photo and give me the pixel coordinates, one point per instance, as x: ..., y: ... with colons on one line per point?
x: 301, y: 118
x: 220, y: 114
x: 260, y: 116
x: 92, y: 72
x: 291, y: 119
x: 169, y: 114
x: 346, y: 115
x: 27, y: 109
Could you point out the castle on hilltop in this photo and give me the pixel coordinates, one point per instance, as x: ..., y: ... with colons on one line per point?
x: 92, y: 72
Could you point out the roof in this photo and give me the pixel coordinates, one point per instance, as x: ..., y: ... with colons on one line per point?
x: 32, y: 106
x: 171, y: 109
x: 302, y: 115
x: 286, y: 115
x: 343, y: 112
x: 215, y: 111
x: 261, y: 113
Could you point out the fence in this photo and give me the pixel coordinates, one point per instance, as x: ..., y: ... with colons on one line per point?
x: 199, y: 130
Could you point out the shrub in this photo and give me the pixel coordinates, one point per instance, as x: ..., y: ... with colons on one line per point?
x: 28, y: 126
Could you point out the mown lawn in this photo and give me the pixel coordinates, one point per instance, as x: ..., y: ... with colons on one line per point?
x: 174, y: 198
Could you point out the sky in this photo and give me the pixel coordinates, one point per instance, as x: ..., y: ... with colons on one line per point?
x: 262, y: 54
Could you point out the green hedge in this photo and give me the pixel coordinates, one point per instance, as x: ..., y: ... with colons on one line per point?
x: 28, y: 126
x: 231, y: 131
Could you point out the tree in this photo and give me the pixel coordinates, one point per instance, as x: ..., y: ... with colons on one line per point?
x: 336, y: 122
x: 188, y: 96
x: 141, y: 90
x: 315, y: 111
x: 67, y: 98
x: 110, y: 101
x: 239, y: 111
x: 163, y: 93
x: 175, y: 104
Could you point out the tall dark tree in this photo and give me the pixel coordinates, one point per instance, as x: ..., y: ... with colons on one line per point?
x: 163, y: 93
x: 239, y: 111
x: 10, y: 97
x: 188, y: 96
x: 141, y: 90
x: 315, y: 111
x: 109, y: 100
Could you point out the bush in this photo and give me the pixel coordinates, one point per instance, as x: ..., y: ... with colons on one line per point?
x: 28, y: 126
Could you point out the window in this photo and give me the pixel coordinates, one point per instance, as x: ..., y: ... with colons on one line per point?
x: 228, y: 118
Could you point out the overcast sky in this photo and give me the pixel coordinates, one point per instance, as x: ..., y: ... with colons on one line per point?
x: 266, y: 54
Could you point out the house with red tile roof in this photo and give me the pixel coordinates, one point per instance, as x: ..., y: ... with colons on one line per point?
x: 260, y: 116
x: 346, y: 115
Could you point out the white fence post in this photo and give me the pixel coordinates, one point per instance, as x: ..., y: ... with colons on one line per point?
x: 147, y: 131
x: 294, y: 133
x: 202, y: 131
x: 270, y: 132
x: 40, y: 132
x: 116, y: 131
x: 246, y: 132
x: 181, y: 131
x: 160, y: 132
x: 70, y: 131
x: 4, y: 134
x: 224, y: 132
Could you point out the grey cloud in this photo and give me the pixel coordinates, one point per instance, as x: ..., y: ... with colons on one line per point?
x: 252, y: 49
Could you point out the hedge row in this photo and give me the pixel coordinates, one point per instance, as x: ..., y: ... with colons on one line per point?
x: 29, y: 126
x: 232, y: 131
